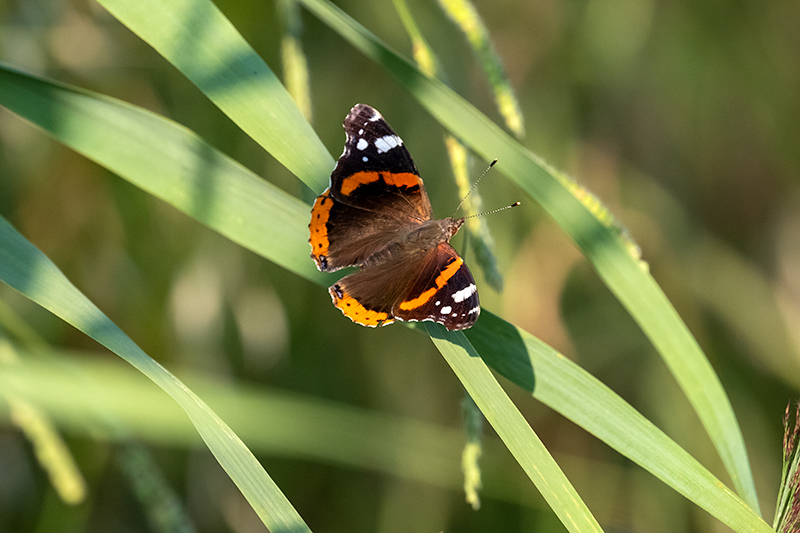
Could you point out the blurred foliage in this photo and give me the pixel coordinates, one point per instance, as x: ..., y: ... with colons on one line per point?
x: 681, y: 117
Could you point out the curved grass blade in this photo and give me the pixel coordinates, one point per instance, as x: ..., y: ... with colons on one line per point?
x: 591, y: 227
x: 26, y: 269
x: 159, y: 501
x: 197, y: 38
x: 556, y: 381
x: 170, y: 162
x: 512, y: 427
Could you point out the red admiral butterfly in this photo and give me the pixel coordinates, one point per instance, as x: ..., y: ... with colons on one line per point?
x: 376, y: 215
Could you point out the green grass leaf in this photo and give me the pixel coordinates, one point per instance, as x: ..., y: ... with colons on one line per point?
x: 197, y: 38
x: 171, y: 163
x: 26, y: 269
x: 558, y: 382
x: 512, y: 427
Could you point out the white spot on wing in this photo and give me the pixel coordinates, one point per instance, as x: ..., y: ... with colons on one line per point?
x: 387, y: 142
x: 463, y: 294
x: 362, y: 144
x: 446, y: 309
x: 365, y: 159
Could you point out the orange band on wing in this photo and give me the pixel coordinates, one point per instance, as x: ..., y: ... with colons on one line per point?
x: 318, y: 227
x: 441, y: 281
x: 400, y: 179
x: 356, y: 312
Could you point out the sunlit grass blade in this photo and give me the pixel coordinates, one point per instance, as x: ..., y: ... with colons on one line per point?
x: 26, y: 269
x: 603, y: 242
x: 558, y: 382
x: 311, y: 428
x: 512, y: 427
x: 170, y: 162
x: 197, y: 38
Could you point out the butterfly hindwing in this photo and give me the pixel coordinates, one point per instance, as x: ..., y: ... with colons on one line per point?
x: 435, y: 286
x: 444, y: 292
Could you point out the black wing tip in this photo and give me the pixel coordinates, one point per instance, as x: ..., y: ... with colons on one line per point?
x: 358, y: 108
x: 363, y: 111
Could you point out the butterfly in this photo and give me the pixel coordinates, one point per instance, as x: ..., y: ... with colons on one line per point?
x: 376, y: 215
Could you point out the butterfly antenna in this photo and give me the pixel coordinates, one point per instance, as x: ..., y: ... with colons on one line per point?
x: 475, y: 185
x: 515, y: 204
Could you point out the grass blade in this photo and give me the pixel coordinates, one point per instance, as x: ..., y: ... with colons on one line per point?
x: 26, y: 269
x: 170, y: 162
x: 197, y: 38
x: 512, y: 427
x: 558, y: 382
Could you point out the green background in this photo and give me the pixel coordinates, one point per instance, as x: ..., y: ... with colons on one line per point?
x: 681, y: 118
